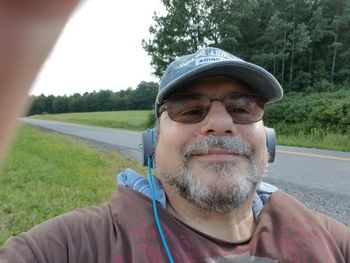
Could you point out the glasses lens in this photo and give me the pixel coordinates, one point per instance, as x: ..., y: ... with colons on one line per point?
x: 193, y: 107
x: 187, y: 107
x: 244, y: 108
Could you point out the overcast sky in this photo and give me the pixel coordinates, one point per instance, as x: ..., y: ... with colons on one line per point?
x: 100, y: 48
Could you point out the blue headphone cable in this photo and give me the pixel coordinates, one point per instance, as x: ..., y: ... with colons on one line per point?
x: 160, y: 230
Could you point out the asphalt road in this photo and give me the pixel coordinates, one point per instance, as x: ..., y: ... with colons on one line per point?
x: 318, y: 178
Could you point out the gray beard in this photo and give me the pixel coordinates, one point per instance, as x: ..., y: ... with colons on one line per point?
x: 208, y: 198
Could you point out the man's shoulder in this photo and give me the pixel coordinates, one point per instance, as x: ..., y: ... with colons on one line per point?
x: 72, y: 223
x: 280, y: 199
x: 61, y: 237
x: 94, y: 217
x: 283, y: 205
x: 283, y: 210
x: 123, y: 200
x: 286, y: 216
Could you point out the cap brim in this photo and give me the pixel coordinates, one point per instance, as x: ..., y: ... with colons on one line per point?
x: 260, y: 81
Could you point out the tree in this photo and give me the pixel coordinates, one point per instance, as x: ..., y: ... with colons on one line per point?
x: 75, y: 103
x: 38, y: 105
x: 176, y: 33
x: 60, y: 104
x: 190, y: 25
x: 319, y: 31
x: 340, y: 23
x: 103, y: 100
x: 144, y: 95
x: 273, y: 44
x: 304, y: 43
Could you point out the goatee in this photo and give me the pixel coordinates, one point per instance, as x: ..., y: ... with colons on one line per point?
x: 228, y: 195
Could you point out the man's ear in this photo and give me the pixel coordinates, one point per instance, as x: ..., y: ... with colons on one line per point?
x: 148, y: 145
x: 271, y: 143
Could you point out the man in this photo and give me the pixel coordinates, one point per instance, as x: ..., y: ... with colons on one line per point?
x: 210, y: 157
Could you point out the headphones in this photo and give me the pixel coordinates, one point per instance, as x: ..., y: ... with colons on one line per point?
x: 149, y: 142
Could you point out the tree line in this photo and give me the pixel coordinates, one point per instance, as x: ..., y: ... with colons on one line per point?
x: 304, y: 43
x: 142, y: 98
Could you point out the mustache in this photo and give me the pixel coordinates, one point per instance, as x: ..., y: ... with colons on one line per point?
x: 228, y: 143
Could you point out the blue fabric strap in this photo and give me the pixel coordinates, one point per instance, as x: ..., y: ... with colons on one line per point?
x: 133, y: 180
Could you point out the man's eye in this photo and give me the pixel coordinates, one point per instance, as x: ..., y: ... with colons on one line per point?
x: 239, y: 110
x: 193, y: 112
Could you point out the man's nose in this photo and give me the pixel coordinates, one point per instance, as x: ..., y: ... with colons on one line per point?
x: 218, y: 121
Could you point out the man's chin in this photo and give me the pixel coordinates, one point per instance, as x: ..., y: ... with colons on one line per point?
x: 214, y: 172
x: 220, y: 184
x: 214, y: 186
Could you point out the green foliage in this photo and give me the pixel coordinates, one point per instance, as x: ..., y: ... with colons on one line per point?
x: 189, y: 25
x: 303, y: 43
x: 316, y: 139
x: 132, y: 120
x: 302, y: 113
x: 47, y: 174
x: 151, y: 120
x: 142, y: 98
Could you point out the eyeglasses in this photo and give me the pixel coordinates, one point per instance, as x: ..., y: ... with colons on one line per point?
x: 193, y: 107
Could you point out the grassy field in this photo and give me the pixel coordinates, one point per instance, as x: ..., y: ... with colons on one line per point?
x: 136, y: 119
x: 47, y: 174
x: 132, y: 120
x: 317, y: 139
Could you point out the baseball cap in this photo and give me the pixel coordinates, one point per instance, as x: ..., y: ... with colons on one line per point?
x: 212, y: 61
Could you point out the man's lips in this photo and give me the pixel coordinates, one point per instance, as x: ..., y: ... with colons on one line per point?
x: 220, y: 151
x: 216, y: 154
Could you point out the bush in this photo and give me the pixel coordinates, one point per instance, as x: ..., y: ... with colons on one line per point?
x: 151, y: 119
x: 303, y: 113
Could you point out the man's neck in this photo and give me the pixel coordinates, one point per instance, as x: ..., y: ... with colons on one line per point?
x: 235, y: 226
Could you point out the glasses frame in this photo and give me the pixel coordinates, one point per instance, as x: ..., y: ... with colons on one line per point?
x: 211, y: 99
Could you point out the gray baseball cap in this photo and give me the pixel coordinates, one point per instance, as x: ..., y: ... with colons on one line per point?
x: 212, y: 61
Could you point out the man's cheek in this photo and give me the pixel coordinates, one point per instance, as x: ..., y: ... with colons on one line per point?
x: 263, y: 161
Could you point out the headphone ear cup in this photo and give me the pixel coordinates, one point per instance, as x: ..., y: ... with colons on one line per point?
x: 148, y: 145
x: 271, y: 143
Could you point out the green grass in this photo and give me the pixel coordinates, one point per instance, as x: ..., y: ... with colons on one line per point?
x: 317, y: 139
x: 136, y: 120
x: 47, y: 174
x: 132, y: 120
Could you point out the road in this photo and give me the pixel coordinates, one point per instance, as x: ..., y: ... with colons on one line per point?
x: 318, y: 178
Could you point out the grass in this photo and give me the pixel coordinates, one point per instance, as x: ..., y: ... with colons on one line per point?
x: 47, y: 174
x: 313, y: 137
x: 317, y: 139
x: 132, y: 120
x: 136, y: 120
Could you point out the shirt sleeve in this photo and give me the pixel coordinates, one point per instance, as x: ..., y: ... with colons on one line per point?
x: 16, y: 249
x: 84, y: 235
x: 46, y: 242
x: 340, y: 233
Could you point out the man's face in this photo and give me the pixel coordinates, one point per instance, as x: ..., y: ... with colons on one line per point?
x: 215, y: 163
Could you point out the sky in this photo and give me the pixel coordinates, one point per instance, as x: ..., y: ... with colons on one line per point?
x: 100, y: 48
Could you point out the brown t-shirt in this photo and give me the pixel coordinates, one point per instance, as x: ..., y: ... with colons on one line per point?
x: 124, y: 230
